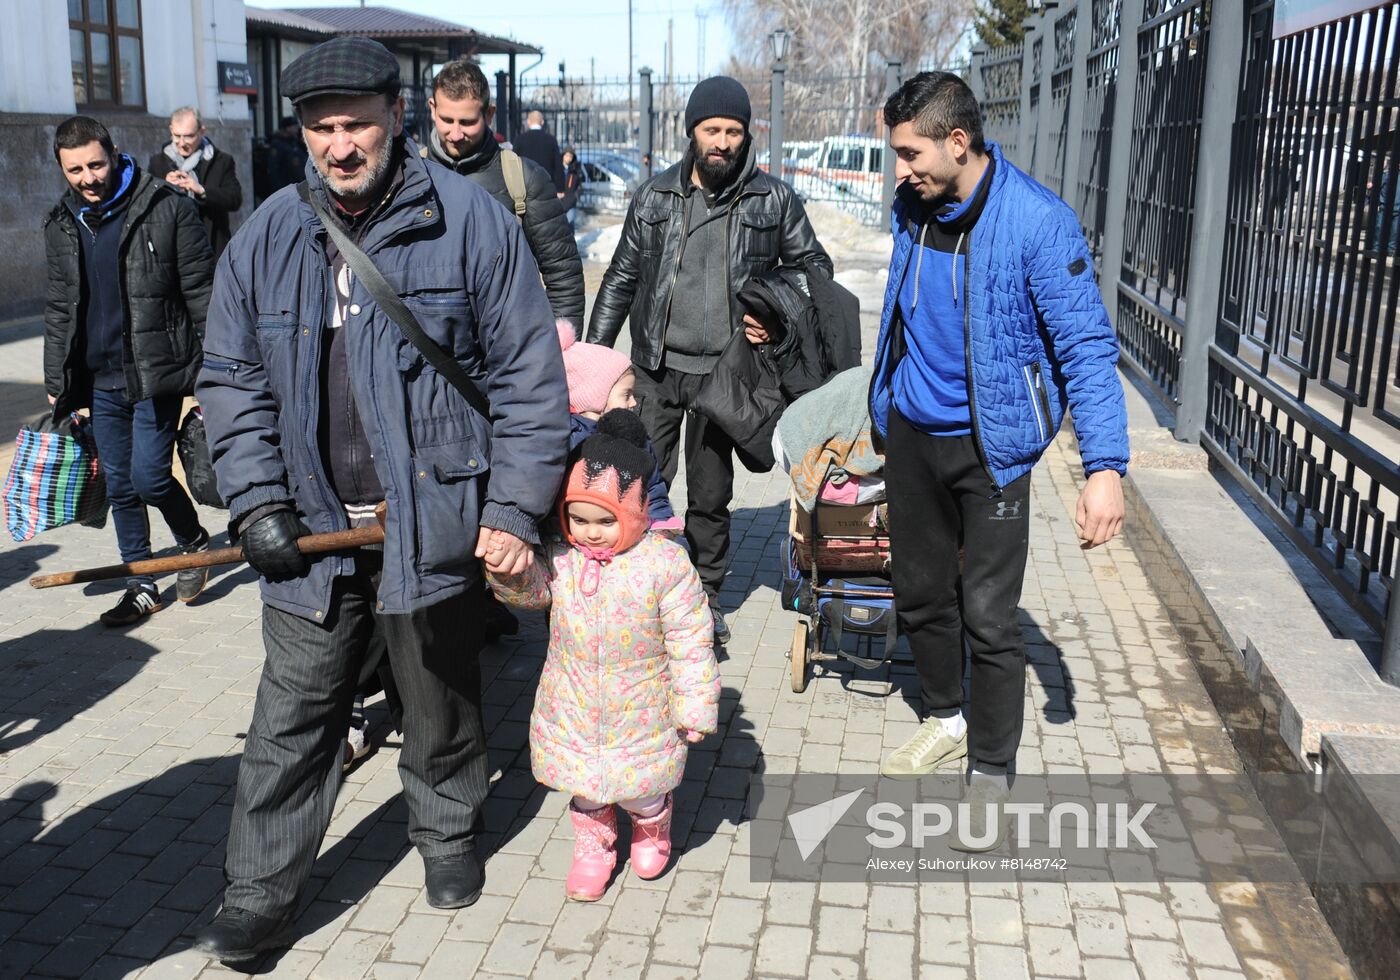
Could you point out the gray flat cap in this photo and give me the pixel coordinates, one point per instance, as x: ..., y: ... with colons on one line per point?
x: 341, y: 66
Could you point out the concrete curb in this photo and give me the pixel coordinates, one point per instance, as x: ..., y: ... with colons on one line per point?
x: 1295, y: 639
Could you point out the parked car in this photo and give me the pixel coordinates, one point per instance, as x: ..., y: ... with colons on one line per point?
x: 607, y: 182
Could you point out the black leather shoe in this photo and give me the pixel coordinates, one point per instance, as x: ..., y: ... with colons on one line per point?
x: 454, y: 881
x: 236, y: 935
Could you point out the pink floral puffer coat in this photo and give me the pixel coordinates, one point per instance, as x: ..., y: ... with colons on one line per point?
x: 629, y: 667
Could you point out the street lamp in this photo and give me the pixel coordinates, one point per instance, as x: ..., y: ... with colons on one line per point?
x: 779, y: 41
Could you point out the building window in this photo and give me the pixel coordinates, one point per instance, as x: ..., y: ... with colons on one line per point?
x: 104, y: 40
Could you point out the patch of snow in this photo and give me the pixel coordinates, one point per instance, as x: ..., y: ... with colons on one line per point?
x: 851, y: 244
x: 868, y: 285
x: 599, y: 243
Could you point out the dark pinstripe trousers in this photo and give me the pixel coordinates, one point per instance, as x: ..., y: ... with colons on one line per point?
x: 291, y: 766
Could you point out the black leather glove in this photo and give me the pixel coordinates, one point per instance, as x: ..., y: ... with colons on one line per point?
x: 270, y: 545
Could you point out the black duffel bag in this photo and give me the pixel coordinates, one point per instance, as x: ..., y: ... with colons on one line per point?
x: 193, y: 447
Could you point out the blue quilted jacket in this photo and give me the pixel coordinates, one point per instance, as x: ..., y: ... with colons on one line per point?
x: 1037, y: 335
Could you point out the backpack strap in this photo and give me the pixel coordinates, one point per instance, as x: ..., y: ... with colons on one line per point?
x: 513, y: 170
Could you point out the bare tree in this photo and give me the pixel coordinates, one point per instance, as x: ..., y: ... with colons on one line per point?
x: 839, y: 48
x: 851, y: 36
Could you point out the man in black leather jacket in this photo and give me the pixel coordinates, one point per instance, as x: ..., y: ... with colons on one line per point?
x: 693, y: 236
x: 462, y: 140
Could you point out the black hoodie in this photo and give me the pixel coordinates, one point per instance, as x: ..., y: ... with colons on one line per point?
x: 99, y: 232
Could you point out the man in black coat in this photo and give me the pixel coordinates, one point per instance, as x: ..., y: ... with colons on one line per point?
x: 130, y: 274
x: 462, y: 141
x: 693, y: 236
x: 538, y: 144
x: 191, y: 163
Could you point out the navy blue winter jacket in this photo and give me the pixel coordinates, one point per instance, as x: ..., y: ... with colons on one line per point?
x: 462, y: 266
x: 1037, y: 336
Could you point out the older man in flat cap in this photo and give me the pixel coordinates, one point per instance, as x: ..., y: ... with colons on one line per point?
x: 322, y: 399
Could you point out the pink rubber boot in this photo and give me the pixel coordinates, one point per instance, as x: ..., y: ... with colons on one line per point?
x: 651, y: 842
x: 595, y: 834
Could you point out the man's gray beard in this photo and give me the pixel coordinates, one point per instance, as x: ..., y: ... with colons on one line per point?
x: 369, y: 185
x: 716, y: 174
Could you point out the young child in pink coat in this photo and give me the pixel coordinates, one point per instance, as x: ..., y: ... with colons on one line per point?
x: 631, y: 676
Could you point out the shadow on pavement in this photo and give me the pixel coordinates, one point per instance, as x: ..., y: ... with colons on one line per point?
x: 76, y: 669
x: 20, y: 563
x: 129, y: 878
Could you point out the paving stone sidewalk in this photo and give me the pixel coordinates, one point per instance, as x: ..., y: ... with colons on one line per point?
x: 119, y: 751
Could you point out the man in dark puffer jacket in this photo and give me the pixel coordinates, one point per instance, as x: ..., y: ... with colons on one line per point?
x: 462, y: 141
x: 130, y: 273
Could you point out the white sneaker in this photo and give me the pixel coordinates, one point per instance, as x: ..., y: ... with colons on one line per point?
x: 931, y: 748
x: 356, y: 747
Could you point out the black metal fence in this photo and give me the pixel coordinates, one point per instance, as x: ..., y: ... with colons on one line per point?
x: 1241, y: 195
x: 833, y: 143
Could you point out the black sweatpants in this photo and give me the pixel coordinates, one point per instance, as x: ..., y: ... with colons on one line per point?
x: 940, y: 496
x: 665, y: 398
x: 291, y: 766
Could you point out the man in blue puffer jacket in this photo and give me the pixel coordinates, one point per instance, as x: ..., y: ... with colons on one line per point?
x: 992, y: 326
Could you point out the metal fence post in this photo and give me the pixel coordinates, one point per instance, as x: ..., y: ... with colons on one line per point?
x: 1078, y: 94
x: 1119, y: 164
x: 644, y: 127
x: 776, y: 108
x: 1045, y: 111
x: 1025, y: 138
x: 892, y: 83
x: 1224, y: 53
x: 1389, y: 668
x: 974, y: 73
x: 503, y: 105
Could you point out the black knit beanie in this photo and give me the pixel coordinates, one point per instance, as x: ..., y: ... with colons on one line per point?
x: 718, y: 96
x: 619, y: 444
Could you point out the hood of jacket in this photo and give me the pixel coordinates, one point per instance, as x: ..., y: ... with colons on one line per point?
x: 474, y: 161
x: 128, y: 180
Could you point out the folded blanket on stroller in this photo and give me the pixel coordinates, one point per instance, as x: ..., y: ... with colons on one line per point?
x: 829, y: 429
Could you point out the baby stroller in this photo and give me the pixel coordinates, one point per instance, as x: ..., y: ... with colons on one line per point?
x: 836, y: 562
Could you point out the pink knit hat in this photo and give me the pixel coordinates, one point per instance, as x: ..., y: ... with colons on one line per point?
x: 592, y: 370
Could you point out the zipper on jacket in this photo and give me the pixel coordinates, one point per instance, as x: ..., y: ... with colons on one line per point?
x: 309, y: 423
x: 971, y: 382
x: 729, y: 251
x: 1041, y: 425
x: 676, y: 271
x: 1043, y: 396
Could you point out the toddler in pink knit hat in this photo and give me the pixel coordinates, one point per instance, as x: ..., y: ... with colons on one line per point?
x: 600, y: 380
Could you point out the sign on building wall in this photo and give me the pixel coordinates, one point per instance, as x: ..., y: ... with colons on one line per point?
x: 237, y: 78
x: 1292, y: 16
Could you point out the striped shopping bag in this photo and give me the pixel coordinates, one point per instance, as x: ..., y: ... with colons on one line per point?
x: 55, y: 478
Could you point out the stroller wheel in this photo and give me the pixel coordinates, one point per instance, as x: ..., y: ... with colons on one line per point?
x: 797, y: 659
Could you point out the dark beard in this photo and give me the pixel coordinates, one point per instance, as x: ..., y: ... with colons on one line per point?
x: 717, y: 174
